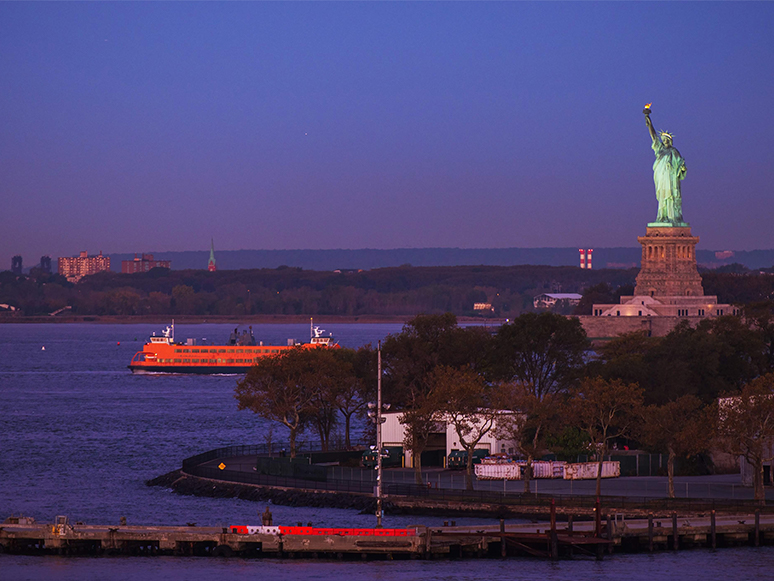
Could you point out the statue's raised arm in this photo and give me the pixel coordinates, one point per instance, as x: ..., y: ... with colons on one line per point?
x: 648, y: 122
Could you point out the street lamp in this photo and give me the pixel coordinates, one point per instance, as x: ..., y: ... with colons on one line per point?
x: 376, y: 417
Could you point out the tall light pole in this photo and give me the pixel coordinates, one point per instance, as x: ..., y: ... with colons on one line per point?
x: 379, y: 435
x: 376, y: 417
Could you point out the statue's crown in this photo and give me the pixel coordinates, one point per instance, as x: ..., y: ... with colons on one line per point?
x: 667, y: 134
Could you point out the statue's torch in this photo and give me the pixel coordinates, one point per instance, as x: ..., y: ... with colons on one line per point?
x: 646, y: 110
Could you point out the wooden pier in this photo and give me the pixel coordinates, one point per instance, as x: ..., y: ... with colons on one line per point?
x: 550, y: 540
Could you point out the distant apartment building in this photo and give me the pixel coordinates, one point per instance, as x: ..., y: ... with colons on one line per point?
x: 74, y: 268
x: 16, y: 265
x: 143, y: 264
x: 548, y: 300
x: 487, y: 307
x: 45, y: 264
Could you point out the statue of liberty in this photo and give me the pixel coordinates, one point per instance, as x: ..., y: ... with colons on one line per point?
x: 668, y: 172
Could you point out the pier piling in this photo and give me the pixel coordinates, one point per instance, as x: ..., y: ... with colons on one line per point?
x: 650, y: 531
x: 713, y: 530
x: 675, y: 535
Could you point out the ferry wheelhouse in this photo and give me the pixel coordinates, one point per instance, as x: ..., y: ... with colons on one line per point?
x: 163, y: 355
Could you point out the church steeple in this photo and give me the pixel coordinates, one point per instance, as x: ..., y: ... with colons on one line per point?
x: 211, y: 264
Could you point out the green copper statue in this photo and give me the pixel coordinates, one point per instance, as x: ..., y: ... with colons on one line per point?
x: 668, y: 172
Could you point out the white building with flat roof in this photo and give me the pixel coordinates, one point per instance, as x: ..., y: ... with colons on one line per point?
x: 444, y: 438
x: 548, y: 300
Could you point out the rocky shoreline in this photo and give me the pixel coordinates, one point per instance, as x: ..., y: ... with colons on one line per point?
x: 188, y: 485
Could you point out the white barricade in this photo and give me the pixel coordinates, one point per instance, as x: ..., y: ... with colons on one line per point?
x: 557, y: 468
x: 588, y: 470
x: 511, y: 471
x: 541, y: 469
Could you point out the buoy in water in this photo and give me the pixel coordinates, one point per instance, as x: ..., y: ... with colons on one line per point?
x: 43, y: 348
x: 118, y: 343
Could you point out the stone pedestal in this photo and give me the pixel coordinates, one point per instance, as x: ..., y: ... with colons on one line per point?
x: 668, y: 263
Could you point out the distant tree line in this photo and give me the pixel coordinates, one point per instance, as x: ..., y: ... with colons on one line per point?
x: 402, y: 291
x: 292, y: 291
x: 660, y: 394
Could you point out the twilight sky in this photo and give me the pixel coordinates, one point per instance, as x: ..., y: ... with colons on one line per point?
x: 129, y: 127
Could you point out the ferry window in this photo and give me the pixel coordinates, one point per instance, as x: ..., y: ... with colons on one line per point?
x: 194, y: 350
x: 186, y: 350
x: 240, y: 350
x: 229, y: 361
x: 177, y: 350
x: 177, y: 360
x: 221, y: 350
x: 230, y: 350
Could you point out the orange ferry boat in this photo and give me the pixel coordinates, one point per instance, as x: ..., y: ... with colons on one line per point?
x: 163, y: 355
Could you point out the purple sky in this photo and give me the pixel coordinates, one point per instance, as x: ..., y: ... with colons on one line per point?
x: 129, y: 127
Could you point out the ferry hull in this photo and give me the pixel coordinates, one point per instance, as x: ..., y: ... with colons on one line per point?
x: 197, y: 370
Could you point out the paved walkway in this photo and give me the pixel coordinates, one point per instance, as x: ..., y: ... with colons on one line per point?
x: 722, y: 486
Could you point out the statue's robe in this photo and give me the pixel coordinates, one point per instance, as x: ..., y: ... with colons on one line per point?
x: 668, y: 170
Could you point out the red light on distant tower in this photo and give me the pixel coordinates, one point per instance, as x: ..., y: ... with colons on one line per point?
x: 585, y: 257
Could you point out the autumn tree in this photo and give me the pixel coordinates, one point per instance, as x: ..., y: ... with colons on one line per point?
x: 421, y: 420
x: 681, y: 427
x: 425, y: 343
x: 760, y: 316
x: 717, y: 356
x: 746, y: 427
x: 410, y: 357
x: 605, y: 410
x: 467, y: 403
x: 357, y: 388
x: 531, y: 424
x: 626, y: 357
x: 274, y: 391
x: 542, y: 350
x: 294, y: 388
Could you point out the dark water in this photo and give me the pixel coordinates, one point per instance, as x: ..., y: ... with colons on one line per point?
x: 79, y: 435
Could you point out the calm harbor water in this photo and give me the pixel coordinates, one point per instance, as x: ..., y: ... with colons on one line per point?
x: 79, y: 435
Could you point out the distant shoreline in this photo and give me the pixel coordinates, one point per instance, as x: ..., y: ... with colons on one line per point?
x: 242, y: 320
